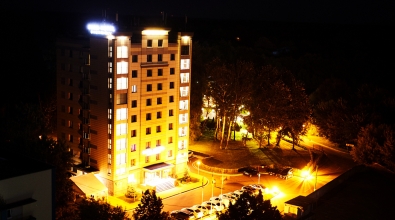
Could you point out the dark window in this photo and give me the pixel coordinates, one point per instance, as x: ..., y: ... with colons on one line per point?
x: 133, y: 133
x: 149, y: 43
x: 148, y: 102
x: 160, y: 57
x: 171, y: 85
x: 62, y: 80
x: 134, y: 103
x: 134, y: 58
x: 171, y: 112
x: 134, y: 118
x: 185, y: 50
x: 148, y: 131
x: 158, y: 129
x: 159, y: 115
x: 149, y: 58
x: 134, y: 73
x: 172, y: 71
x: 149, y: 87
x: 122, y: 98
x: 148, y: 116
x: 160, y: 43
x: 171, y: 98
x: 170, y: 126
x: 172, y: 56
x: 159, y: 86
x: 160, y: 72
x: 149, y: 73
x: 158, y: 101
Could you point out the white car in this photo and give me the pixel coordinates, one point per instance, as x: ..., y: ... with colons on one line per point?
x: 196, y: 212
x: 220, y: 199
x: 190, y: 154
x: 229, y: 196
x: 258, y: 186
x: 216, y: 205
x: 206, y: 209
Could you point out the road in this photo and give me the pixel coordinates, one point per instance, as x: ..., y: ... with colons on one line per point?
x: 336, y: 162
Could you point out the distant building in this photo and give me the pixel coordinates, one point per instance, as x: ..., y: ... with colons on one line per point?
x: 123, y: 105
x: 26, y: 188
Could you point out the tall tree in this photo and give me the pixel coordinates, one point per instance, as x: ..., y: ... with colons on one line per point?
x: 150, y: 207
x: 375, y: 144
x: 250, y: 206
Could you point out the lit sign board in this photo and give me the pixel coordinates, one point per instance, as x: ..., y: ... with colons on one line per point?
x: 101, y: 28
x: 152, y: 151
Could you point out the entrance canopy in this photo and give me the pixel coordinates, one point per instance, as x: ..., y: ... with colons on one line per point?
x: 158, y: 167
x: 89, y: 185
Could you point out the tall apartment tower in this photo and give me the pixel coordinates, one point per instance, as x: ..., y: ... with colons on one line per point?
x: 123, y: 106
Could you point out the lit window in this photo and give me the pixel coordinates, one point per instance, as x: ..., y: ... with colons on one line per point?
x: 181, y: 144
x: 122, y: 52
x: 184, y: 77
x: 170, y: 153
x: 121, y: 129
x: 170, y: 140
x: 184, y: 64
x: 183, y: 118
x: 122, y: 98
x: 122, y: 83
x: 109, y: 159
x: 184, y: 105
x: 110, y: 83
x: 133, y: 147
x: 184, y: 91
x: 110, y: 67
x: 148, y: 145
x: 121, y: 144
x: 109, y: 144
x: 133, y: 162
x: 182, y: 132
x: 122, y: 114
x: 121, y: 159
x: 147, y: 159
x: 134, y: 88
x: 122, y: 67
x: 110, y: 51
x: 157, y: 156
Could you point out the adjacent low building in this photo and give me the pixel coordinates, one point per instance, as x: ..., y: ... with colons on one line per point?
x: 26, y: 188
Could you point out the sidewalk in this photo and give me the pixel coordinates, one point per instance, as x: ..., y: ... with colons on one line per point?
x: 184, y: 187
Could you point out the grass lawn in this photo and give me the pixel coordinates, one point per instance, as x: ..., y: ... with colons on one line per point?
x: 237, y: 155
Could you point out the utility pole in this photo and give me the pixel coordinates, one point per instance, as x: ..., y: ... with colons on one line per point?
x: 316, y: 170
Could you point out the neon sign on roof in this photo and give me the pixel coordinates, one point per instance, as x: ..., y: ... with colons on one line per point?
x: 100, y: 28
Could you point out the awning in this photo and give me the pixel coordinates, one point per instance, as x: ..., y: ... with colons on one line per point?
x: 89, y: 184
x: 158, y: 166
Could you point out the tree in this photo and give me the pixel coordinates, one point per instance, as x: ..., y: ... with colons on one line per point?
x: 375, y: 144
x: 99, y: 210
x: 249, y: 206
x: 150, y: 207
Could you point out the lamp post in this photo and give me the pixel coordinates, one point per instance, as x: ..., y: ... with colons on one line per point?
x: 202, y: 188
x: 315, y: 184
x: 259, y: 178
x: 198, y: 163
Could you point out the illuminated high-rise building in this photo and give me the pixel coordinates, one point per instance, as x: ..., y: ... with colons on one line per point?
x: 123, y: 105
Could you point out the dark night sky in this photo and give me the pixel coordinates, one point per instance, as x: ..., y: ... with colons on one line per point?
x: 334, y: 11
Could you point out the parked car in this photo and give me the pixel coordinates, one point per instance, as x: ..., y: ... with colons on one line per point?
x: 220, y: 200
x: 258, y: 186
x: 229, y: 196
x: 196, y: 212
x: 241, y: 170
x: 206, y: 209
x: 286, y: 173
x: 182, y: 215
x: 250, y: 190
x: 216, y: 205
x: 250, y: 172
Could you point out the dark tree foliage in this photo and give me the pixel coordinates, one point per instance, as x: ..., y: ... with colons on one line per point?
x: 150, y: 207
x: 252, y: 207
x: 375, y: 144
x: 98, y: 210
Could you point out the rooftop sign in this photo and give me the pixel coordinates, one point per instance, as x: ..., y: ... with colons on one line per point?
x: 101, y: 28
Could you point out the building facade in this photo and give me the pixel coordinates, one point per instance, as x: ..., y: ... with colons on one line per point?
x: 123, y: 105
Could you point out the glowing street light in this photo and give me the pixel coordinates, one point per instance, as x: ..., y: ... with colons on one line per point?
x: 259, y: 178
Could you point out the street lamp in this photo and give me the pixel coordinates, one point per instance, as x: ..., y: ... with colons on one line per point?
x: 259, y: 178
x: 198, y: 163
x: 202, y: 187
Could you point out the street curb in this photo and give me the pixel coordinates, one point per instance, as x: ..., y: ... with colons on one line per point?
x: 186, y: 190
x: 214, y: 173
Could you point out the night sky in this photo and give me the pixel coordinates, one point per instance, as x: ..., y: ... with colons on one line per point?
x: 325, y: 11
